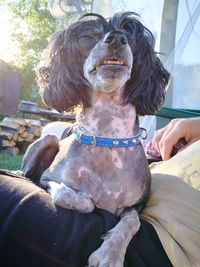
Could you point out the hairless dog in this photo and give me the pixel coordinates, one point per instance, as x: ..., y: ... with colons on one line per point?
x: 109, y: 69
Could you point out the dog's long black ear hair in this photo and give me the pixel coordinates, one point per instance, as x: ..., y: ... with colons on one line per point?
x: 147, y: 85
x: 61, y: 82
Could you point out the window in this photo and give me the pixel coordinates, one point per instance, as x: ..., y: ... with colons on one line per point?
x: 186, y: 72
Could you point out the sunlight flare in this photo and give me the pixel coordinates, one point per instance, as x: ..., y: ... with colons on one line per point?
x: 9, y: 48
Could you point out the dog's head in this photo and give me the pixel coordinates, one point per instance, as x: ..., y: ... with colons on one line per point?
x: 99, y: 54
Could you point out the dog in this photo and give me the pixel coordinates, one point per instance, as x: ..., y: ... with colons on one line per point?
x: 109, y: 69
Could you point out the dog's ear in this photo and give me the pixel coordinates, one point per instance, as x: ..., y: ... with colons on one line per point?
x: 39, y: 157
x: 61, y: 81
x: 147, y: 86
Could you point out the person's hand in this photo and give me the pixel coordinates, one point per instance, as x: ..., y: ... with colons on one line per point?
x: 165, y: 138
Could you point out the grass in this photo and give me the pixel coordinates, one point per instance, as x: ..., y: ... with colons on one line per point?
x: 10, y: 162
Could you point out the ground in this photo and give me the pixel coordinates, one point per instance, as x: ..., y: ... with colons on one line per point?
x: 10, y: 162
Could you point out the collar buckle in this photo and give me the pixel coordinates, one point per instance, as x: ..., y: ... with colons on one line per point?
x: 94, y: 141
x: 143, y: 133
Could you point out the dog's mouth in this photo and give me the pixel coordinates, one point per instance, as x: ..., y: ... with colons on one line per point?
x: 110, y: 62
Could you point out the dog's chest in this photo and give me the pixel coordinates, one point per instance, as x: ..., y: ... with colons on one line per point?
x: 115, y: 178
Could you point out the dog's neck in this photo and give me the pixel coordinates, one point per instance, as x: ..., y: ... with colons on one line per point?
x: 108, y: 117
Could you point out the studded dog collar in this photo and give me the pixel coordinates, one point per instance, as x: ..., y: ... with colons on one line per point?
x: 78, y: 131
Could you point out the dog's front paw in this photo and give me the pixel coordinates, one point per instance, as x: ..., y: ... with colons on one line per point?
x: 103, y: 257
x: 66, y: 197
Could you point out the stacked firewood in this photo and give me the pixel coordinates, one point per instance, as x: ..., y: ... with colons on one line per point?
x: 17, y: 133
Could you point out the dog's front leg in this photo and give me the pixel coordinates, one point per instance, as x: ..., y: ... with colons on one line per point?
x: 68, y: 198
x: 113, y: 250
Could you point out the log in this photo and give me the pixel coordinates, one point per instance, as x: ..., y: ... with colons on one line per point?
x: 10, y: 125
x: 24, y: 134
x: 15, y: 136
x: 21, y: 129
x: 6, y: 135
x: 9, y: 130
x: 37, y: 131
x: 20, y: 139
x: 20, y: 121
x: 34, y: 122
x: 29, y: 138
x: 8, y: 143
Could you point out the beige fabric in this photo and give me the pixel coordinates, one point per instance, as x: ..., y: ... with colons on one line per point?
x: 174, y: 206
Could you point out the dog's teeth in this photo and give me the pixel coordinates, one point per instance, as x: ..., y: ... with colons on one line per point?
x: 110, y: 62
x: 113, y: 62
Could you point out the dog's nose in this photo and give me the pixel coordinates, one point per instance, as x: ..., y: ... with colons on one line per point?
x: 115, y: 39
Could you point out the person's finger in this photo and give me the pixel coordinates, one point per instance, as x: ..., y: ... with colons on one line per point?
x: 166, y: 145
x: 170, y: 137
x: 156, y: 139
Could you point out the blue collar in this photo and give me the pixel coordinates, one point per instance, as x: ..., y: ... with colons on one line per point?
x: 78, y: 131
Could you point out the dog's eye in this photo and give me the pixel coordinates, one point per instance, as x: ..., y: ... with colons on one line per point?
x: 86, y: 43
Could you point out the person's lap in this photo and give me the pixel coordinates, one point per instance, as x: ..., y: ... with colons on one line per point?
x: 174, y: 206
x: 34, y: 232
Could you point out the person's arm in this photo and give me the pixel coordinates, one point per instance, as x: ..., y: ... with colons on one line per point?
x: 165, y: 138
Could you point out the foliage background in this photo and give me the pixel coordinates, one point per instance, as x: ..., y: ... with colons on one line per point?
x: 32, y: 24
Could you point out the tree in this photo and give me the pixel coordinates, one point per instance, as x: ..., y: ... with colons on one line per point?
x: 33, y: 24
